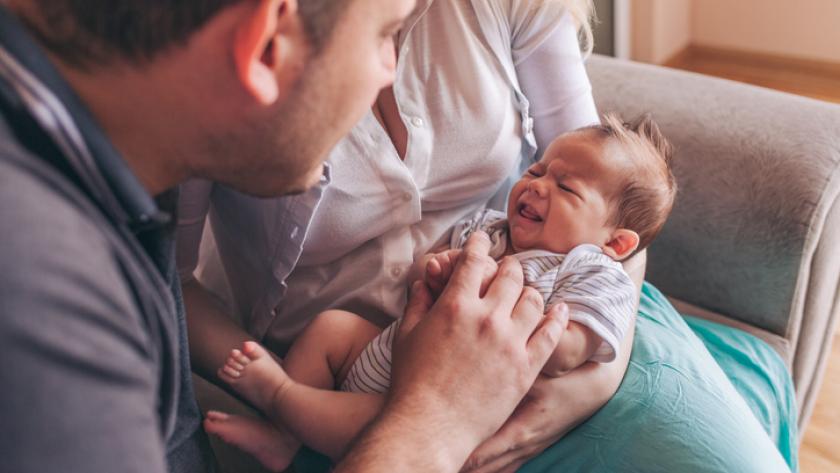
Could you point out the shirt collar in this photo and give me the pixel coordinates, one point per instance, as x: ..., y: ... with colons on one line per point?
x: 60, y: 112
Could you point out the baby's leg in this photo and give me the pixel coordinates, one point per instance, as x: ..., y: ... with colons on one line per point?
x: 323, y: 354
x: 325, y: 420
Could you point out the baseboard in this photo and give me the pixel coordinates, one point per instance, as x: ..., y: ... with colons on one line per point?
x: 680, y: 57
x: 759, y: 59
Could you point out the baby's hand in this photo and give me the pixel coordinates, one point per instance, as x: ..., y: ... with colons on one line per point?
x: 439, y: 269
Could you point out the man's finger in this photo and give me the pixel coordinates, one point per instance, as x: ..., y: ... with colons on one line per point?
x: 466, y: 277
x: 419, y: 303
x: 490, y: 270
x: 545, y: 338
x: 562, y: 312
x: 506, y: 287
x: 528, y: 312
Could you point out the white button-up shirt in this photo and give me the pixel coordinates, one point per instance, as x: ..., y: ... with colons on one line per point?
x: 464, y: 70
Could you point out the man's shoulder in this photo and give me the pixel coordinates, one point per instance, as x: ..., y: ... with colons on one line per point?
x: 55, y: 246
x: 39, y: 206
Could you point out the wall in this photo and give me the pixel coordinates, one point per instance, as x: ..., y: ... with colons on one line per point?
x: 660, y: 28
x: 808, y: 29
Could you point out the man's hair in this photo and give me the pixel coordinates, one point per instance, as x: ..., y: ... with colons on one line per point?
x: 89, y: 32
x: 647, y: 196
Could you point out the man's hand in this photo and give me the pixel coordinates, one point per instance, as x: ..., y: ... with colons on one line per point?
x: 552, y: 408
x: 463, y: 364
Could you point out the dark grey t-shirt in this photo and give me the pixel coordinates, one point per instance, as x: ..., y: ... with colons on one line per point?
x: 95, y: 366
x: 83, y: 373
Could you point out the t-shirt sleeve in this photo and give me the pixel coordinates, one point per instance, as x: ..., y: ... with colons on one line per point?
x: 550, y: 68
x: 490, y: 221
x: 600, y: 295
x: 79, y: 378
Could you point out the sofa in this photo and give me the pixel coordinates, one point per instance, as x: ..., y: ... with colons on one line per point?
x: 753, y: 242
x: 754, y: 238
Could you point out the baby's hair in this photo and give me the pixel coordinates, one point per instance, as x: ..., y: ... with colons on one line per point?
x: 647, y: 196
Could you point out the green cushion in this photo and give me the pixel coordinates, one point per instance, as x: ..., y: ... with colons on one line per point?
x: 677, y: 409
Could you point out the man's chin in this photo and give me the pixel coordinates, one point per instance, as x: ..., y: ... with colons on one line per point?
x: 296, y: 187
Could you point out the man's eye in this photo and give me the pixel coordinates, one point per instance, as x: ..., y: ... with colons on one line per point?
x: 566, y: 188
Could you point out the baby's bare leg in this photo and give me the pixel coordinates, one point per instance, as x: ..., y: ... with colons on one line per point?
x: 323, y: 354
x: 325, y: 420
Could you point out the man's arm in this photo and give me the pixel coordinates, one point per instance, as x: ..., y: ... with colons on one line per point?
x: 445, y: 396
x: 80, y: 378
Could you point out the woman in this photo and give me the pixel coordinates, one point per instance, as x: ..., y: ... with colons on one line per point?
x: 480, y: 87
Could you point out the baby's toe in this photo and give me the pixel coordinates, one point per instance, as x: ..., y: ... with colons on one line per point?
x: 230, y: 372
x: 241, y: 358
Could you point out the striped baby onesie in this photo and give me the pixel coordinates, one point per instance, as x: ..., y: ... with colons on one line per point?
x: 600, y: 295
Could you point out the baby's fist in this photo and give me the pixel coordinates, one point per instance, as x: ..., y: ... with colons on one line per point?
x: 439, y: 269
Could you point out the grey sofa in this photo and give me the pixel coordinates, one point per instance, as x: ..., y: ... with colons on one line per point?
x: 754, y: 238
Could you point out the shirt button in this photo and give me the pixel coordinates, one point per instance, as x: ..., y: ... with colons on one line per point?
x: 396, y: 271
x: 407, y: 197
x: 417, y: 121
x: 295, y: 231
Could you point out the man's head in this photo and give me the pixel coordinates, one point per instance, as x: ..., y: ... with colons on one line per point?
x: 609, y: 185
x: 251, y: 93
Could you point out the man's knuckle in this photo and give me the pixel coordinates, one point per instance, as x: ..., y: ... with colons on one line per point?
x: 532, y: 297
x: 472, y: 257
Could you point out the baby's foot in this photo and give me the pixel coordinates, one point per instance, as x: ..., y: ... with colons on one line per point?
x: 254, y: 374
x: 273, y: 448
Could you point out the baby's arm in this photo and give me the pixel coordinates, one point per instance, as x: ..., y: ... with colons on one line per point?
x: 577, y: 344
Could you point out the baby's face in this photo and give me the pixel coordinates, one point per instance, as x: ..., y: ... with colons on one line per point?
x: 565, y: 199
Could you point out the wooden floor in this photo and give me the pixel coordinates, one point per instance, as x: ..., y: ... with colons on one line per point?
x: 804, y: 77
x: 820, y: 450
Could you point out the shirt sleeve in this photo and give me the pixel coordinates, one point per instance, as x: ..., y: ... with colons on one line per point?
x: 599, y: 294
x: 550, y: 69
x: 193, y: 205
x: 80, y: 375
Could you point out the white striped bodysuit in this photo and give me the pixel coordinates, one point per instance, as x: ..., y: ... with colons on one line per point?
x: 598, y: 291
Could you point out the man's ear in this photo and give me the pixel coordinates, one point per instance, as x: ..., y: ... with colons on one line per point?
x: 264, y: 44
x: 622, y: 244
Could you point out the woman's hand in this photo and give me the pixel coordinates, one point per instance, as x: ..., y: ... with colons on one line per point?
x: 553, y: 407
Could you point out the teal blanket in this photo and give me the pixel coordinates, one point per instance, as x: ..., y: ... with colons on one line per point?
x: 698, y: 397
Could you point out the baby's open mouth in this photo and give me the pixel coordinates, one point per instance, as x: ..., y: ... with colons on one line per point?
x: 528, y: 212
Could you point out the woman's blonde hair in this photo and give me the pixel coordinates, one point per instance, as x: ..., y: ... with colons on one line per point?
x: 583, y: 11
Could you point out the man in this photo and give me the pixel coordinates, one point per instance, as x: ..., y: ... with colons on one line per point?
x: 104, y: 108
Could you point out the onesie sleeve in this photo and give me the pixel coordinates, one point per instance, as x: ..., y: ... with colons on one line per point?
x: 490, y: 221
x: 599, y: 294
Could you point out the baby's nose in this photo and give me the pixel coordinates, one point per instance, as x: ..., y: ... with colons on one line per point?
x: 537, y: 186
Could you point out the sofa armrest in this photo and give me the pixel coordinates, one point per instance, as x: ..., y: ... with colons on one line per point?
x: 755, y: 231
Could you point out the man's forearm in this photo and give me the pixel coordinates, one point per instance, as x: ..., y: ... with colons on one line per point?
x: 212, y: 333
x: 406, y: 442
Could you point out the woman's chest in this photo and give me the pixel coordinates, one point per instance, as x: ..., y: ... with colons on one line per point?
x: 463, y: 136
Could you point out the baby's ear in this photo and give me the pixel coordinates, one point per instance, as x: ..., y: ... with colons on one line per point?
x: 623, y: 243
